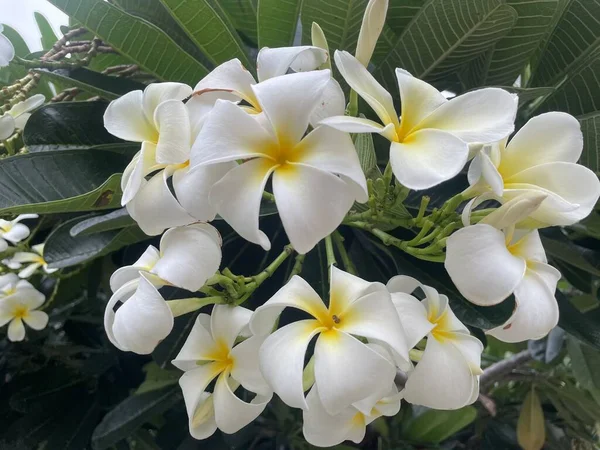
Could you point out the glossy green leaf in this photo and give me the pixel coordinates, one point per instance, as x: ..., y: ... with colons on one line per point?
x: 208, y: 26
x: 137, y: 39
x: 114, y: 220
x: 157, y: 378
x: 243, y: 15
x: 585, y: 363
x: 560, y: 247
x: 277, y: 21
x: 49, y: 38
x: 432, y: 426
x: 60, y: 181
x: 584, y: 326
x: 590, y: 127
x: 531, y: 432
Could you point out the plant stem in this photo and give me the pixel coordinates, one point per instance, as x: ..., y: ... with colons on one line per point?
x: 297, y: 265
x: 183, y: 306
x: 353, y: 104
x: 329, y: 252
x: 338, y: 239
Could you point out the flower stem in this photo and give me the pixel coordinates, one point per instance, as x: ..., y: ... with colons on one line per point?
x: 331, y: 261
x: 297, y: 265
x: 338, y: 239
x: 183, y: 306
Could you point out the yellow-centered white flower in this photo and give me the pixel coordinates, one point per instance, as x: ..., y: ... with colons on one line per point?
x: 429, y: 143
x: 346, y: 370
x: 19, y: 303
x: 372, y: 24
x: 18, y: 115
x: 447, y: 375
x: 210, y: 352
x: 188, y: 256
x: 35, y: 260
x: 542, y: 156
x: 158, y: 118
x: 491, y: 260
x: 316, y: 178
x: 13, y: 231
x: 7, y: 51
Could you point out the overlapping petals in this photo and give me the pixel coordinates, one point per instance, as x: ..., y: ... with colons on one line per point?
x: 13, y: 231
x: 19, y: 304
x: 35, y: 260
x: 17, y: 116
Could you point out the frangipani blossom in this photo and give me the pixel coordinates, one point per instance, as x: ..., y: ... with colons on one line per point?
x: 20, y: 306
x: 447, y: 375
x: 210, y: 352
x: 7, y: 51
x: 316, y: 178
x: 17, y: 116
x: 10, y: 282
x: 325, y: 430
x: 542, y: 156
x: 13, y: 231
x: 430, y: 144
x: 232, y: 77
x: 491, y: 260
x: 188, y: 256
x: 158, y: 118
x: 346, y: 370
x: 36, y: 260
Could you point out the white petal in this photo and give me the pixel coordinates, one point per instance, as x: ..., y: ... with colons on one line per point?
x: 192, y: 188
x: 128, y: 273
x: 21, y: 120
x: 574, y: 183
x: 142, y: 321
x: 154, y: 207
x: 359, y: 79
x: 7, y: 51
x: 332, y: 103
x: 471, y: 349
x: 226, y: 323
x: 229, y: 134
x: 173, y: 124
x: 199, y: 345
x: 282, y: 360
x: 200, y: 105
x: 125, y: 119
x: 289, y: 101
x: 17, y: 233
x: 7, y: 126
x: 374, y: 317
x: 418, y: 100
x: 198, y: 403
x: 16, y: 330
x: 230, y: 76
x: 489, y: 173
x: 413, y: 317
x: 36, y: 320
x: 347, y: 288
x: 246, y: 367
x: 403, y: 283
x: 8, y: 280
x: 357, y: 125
x: 296, y: 293
x: 189, y: 256
x: 390, y: 404
x: 481, y: 266
x: 537, y: 311
x: 273, y: 62
x: 140, y: 166
x: 333, y: 151
x: 426, y: 387
x: 347, y: 371
x: 515, y: 210
x: 27, y: 296
x: 427, y: 158
x: 3, y: 247
x: 311, y: 202
x: 484, y: 115
x: 549, y: 137
x: 528, y: 245
x: 29, y: 270
x: 372, y: 24
x: 157, y: 93
x: 29, y: 104
x: 237, y: 197
x: 231, y: 413
x: 325, y: 430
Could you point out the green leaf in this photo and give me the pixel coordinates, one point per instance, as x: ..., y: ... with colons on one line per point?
x: 443, y: 35
x: 130, y: 414
x: 157, y: 378
x: 584, y: 326
x: 367, y: 157
x: 209, y: 28
x: 432, y: 426
x: 243, y: 15
x: 585, y: 363
x: 590, y: 127
x: 531, y: 432
x: 92, y: 82
x: 68, y: 436
x: 140, y: 41
x: 560, y: 247
x: 61, y: 181
x: 13, y: 72
x: 63, y: 250
x: 114, y: 220
x: 49, y: 38
x: 71, y: 125
x: 277, y: 21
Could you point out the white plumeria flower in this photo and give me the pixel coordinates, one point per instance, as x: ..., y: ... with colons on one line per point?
x: 13, y: 231
x: 372, y: 24
x: 10, y: 282
x: 7, y: 51
x: 210, y: 352
x: 20, y: 306
x: 11, y: 264
x: 447, y: 375
x: 346, y: 370
x: 430, y: 144
x: 232, y: 77
x: 325, y: 430
x: 36, y: 260
x: 158, y: 118
x: 542, y: 156
x: 18, y: 115
x: 316, y: 178
x: 188, y: 256
x: 491, y: 260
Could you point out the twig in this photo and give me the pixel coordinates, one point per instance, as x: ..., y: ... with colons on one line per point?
x: 499, y: 370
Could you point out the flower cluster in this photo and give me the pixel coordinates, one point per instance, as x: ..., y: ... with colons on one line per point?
x: 19, y: 302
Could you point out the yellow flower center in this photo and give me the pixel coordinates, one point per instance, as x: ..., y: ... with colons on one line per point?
x: 222, y: 356
x: 20, y: 312
x: 442, y: 329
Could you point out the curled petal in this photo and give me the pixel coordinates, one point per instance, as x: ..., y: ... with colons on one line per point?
x: 332, y: 103
x: 347, y: 288
x: 198, y: 403
x: 125, y: 119
x: 129, y: 273
x: 273, y: 62
x: 7, y: 51
x: 199, y: 345
x: 246, y: 367
x: 413, y: 316
x: 515, y: 210
x: 226, y: 323
x: 231, y: 76
x: 173, y: 124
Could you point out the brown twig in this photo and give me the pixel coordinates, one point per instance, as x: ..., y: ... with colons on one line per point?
x: 499, y: 370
